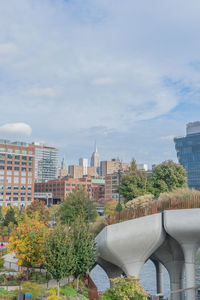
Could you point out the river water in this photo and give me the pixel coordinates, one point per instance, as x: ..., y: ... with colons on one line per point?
x: 147, y: 276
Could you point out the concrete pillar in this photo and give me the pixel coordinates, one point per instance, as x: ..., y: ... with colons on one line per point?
x: 175, y: 273
x: 190, y: 251
x: 159, y: 276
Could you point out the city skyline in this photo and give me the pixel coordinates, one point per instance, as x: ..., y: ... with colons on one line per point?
x: 126, y: 76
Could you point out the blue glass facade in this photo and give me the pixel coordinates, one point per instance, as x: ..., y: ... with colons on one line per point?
x: 188, y: 153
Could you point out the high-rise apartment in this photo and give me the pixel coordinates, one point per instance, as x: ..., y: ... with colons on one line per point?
x: 46, y: 162
x: 188, y: 153
x: 20, y: 165
x: 17, y: 173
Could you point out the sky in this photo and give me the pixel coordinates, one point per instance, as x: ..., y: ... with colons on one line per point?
x: 125, y: 73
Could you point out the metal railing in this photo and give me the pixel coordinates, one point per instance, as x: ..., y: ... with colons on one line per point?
x: 169, y: 295
x: 154, y: 207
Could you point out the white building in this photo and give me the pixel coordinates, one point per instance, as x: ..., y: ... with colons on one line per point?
x: 83, y: 162
x: 46, y: 162
x: 143, y: 167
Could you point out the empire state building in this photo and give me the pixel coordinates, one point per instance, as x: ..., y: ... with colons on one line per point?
x: 95, y: 159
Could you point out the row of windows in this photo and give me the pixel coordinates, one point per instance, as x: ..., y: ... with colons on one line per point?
x: 16, y: 151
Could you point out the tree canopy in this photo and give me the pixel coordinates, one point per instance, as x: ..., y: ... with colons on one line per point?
x: 167, y: 177
x: 26, y: 240
x: 134, y: 183
x: 57, y: 254
x: 76, y: 205
x: 84, y: 250
x: 38, y: 207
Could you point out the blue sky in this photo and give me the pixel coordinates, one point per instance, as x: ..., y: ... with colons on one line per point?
x: 123, y: 73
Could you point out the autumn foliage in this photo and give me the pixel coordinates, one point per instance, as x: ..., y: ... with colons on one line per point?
x: 26, y: 241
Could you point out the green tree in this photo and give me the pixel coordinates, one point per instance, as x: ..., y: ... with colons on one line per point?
x: 134, y: 183
x: 84, y: 249
x: 77, y: 204
x: 167, y: 177
x: 58, y: 254
x: 10, y: 217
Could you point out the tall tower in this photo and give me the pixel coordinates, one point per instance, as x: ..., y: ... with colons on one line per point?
x: 63, y: 164
x: 95, y: 159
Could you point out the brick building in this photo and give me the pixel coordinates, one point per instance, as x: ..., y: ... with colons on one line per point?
x: 17, y: 173
x: 62, y: 187
x: 21, y: 164
x: 98, y: 189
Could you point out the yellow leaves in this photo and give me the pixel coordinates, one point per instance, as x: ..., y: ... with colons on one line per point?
x: 26, y: 240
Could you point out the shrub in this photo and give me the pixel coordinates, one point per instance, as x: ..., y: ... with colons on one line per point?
x: 1, y: 262
x: 126, y: 289
x: 33, y: 288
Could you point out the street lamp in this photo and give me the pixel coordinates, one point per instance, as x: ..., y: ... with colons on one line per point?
x: 119, y: 199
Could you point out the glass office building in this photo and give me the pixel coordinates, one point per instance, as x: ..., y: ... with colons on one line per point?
x: 188, y: 153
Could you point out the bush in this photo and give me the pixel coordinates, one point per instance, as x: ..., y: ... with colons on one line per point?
x: 33, y: 288
x: 126, y: 289
x: 1, y: 262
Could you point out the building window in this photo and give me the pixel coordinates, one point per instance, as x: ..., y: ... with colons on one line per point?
x: 10, y: 150
x: 1, y: 167
x: 9, y: 172
x: 16, y: 168
x: 17, y: 157
x: 9, y: 168
x: 16, y: 179
x: 17, y: 152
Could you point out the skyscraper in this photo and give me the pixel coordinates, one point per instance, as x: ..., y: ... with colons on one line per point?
x: 46, y: 162
x: 95, y: 159
x: 188, y: 153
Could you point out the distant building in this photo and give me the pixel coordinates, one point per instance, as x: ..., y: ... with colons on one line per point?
x: 62, y: 187
x: 143, y: 167
x: 98, y: 189
x: 63, y: 164
x: 110, y: 167
x: 111, y: 187
x: 188, y: 153
x: 84, y: 163
x: 95, y: 159
x: 79, y: 171
x: 46, y: 162
x: 75, y: 171
x: 92, y: 172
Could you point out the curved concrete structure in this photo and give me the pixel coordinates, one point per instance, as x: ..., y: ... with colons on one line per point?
x: 170, y: 254
x: 129, y: 244
x: 171, y: 238
x: 111, y: 270
x: 184, y: 226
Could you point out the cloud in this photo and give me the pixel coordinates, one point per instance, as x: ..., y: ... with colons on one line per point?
x: 40, y: 92
x: 15, y: 129
x: 69, y: 65
x: 8, y: 48
x: 103, y: 81
x: 167, y: 138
